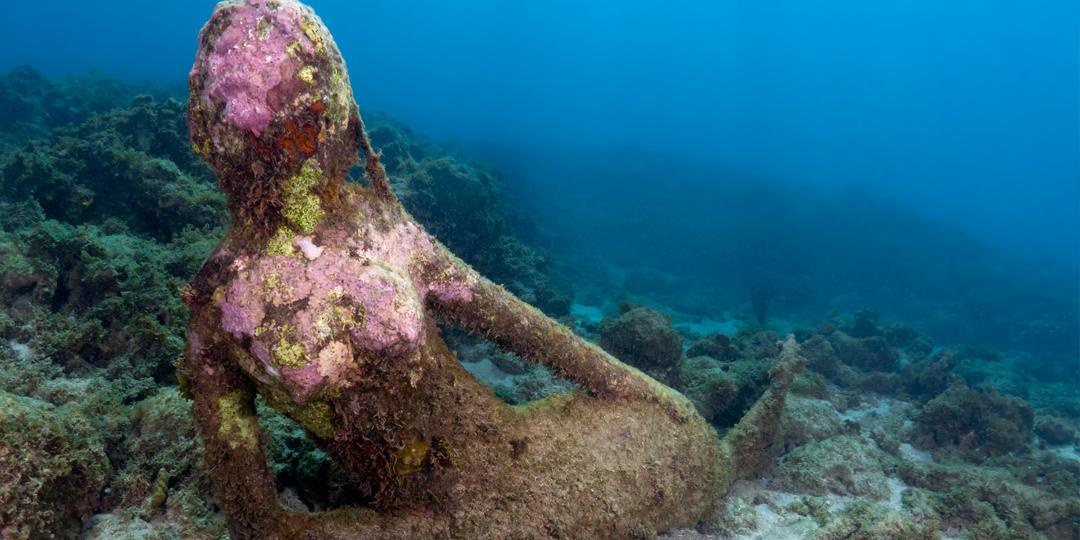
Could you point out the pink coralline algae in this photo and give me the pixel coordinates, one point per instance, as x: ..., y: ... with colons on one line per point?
x: 251, y: 59
x: 407, y: 242
x: 340, y: 301
x: 455, y: 291
x: 239, y: 315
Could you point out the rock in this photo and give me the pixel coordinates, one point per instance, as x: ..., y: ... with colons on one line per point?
x: 867, y: 521
x: 714, y: 345
x: 928, y: 378
x: 722, y: 391
x: 54, y: 469
x: 865, y: 324
x: 974, y: 423
x: 1054, y: 430
x: 642, y: 337
x: 866, y: 354
x: 810, y: 384
x: 899, y: 335
x: 809, y: 420
x: 841, y: 465
x: 735, y: 516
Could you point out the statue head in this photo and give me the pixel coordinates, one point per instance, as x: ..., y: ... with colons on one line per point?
x: 270, y: 99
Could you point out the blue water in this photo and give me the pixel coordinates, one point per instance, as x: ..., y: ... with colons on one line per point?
x: 871, y: 151
x: 964, y: 110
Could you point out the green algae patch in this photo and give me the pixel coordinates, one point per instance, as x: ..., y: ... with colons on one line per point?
x: 290, y: 353
x: 307, y: 74
x: 201, y: 150
x: 311, y: 30
x: 558, y: 400
x: 237, y: 422
x: 336, y: 317
x: 274, y: 284
x: 411, y: 457
x: 280, y: 244
x: 314, y: 416
x: 159, y: 494
x: 302, y: 206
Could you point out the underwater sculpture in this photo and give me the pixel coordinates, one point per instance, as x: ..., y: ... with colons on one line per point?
x: 322, y: 299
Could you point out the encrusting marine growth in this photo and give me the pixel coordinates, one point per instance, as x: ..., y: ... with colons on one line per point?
x: 322, y: 300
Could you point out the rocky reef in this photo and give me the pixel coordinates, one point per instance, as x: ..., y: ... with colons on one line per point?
x: 888, y: 437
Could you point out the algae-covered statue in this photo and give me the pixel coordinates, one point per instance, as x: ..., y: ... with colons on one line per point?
x: 322, y: 299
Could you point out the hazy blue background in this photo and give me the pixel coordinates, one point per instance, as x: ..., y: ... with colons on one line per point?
x: 965, y: 109
x: 920, y: 157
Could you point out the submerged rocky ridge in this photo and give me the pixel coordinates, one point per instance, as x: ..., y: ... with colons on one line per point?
x: 106, y: 213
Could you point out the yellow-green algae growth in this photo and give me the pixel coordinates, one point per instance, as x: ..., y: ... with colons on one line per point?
x: 290, y: 353
x: 307, y: 74
x: 411, y: 458
x: 314, y: 416
x: 311, y: 30
x: 237, y: 420
x: 281, y: 243
x: 302, y: 206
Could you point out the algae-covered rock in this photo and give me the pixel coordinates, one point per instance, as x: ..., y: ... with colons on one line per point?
x: 163, y: 458
x: 809, y: 420
x: 870, y: 353
x: 929, y: 377
x: 453, y: 196
x: 52, y: 469
x: 821, y: 358
x: 735, y: 516
x: 864, y: 324
x: 758, y: 344
x: 98, y: 299
x: 722, y: 391
x: 130, y: 165
x: 1054, y: 430
x: 975, y: 423
x: 810, y: 384
x: 902, y: 336
x: 715, y: 345
x: 1015, y: 497
x: 868, y: 521
x: 841, y: 465
x: 643, y: 337
x: 21, y: 92
x: 32, y: 105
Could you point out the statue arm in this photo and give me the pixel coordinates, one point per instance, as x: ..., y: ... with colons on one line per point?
x: 490, y: 310
x: 224, y: 408
x: 478, y: 305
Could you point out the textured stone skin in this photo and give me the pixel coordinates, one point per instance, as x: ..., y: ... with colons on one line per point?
x: 321, y: 299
